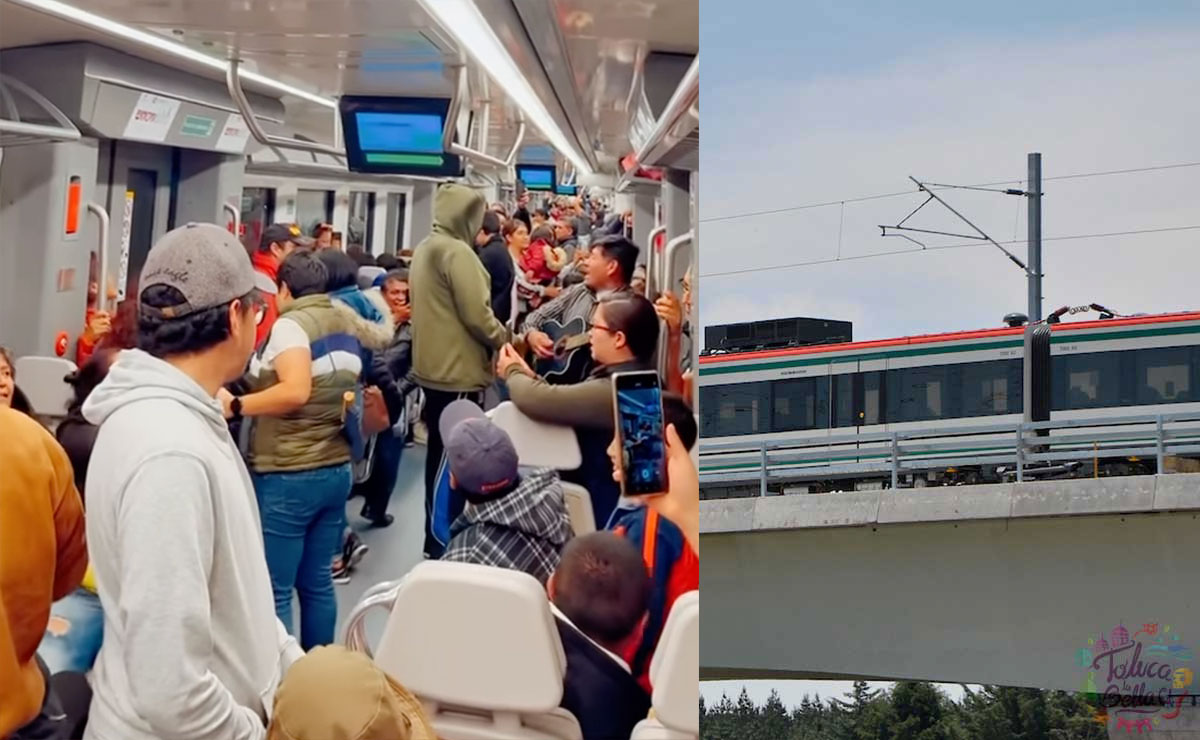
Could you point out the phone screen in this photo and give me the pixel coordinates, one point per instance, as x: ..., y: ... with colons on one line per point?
x: 640, y: 426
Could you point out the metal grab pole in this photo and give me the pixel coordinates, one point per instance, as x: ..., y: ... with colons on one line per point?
x: 381, y: 594
x: 102, y: 216
x: 652, y: 267
x: 237, y: 217
x: 668, y: 273
x: 233, y: 83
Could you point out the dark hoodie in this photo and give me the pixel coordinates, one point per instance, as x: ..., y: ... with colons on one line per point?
x: 454, y: 329
x: 523, y: 530
x: 498, y: 262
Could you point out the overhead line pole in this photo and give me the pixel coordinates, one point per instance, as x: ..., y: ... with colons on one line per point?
x: 1033, y: 191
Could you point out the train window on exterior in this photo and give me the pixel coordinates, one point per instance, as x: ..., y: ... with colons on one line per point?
x: 1088, y: 381
x: 991, y: 388
x: 920, y: 393
x: 739, y: 408
x: 872, y: 403
x: 843, y: 400
x: 1163, y: 375
x: 801, y: 403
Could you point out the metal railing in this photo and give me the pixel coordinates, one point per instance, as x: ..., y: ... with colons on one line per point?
x: 1022, y: 445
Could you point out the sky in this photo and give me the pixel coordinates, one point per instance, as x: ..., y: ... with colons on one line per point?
x: 824, y: 102
x: 815, y: 102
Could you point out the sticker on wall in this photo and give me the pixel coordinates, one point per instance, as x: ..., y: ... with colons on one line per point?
x: 197, y: 126
x: 234, y: 135
x: 151, y: 118
x: 126, y: 235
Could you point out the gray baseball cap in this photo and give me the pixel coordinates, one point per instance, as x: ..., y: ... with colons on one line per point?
x: 481, y: 455
x: 204, y: 262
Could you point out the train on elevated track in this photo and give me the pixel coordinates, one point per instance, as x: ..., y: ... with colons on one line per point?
x: 845, y: 399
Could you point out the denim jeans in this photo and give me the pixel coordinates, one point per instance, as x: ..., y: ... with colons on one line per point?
x: 73, y: 635
x: 302, y: 516
x: 379, y: 487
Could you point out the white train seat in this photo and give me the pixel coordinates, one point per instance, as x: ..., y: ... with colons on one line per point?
x: 579, y: 508
x: 478, y: 646
x: 673, y: 672
x: 542, y: 445
x: 43, y: 381
x: 539, y: 445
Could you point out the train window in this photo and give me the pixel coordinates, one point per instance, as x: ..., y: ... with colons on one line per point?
x: 313, y: 207
x: 1087, y: 381
x: 991, y: 388
x: 362, y: 219
x: 843, y: 400
x: 739, y: 408
x: 872, y: 403
x: 1163, y: 375
x: 801, y: 403
x: 258, y: 212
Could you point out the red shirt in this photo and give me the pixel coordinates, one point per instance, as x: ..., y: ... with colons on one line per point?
x: 268, y: 273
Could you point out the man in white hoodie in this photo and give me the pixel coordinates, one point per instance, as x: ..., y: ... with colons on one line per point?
x: 192, y: 647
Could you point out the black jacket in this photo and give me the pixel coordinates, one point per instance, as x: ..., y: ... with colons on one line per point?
x: 498, y: 262
x: 77, y: 437
x: 603, y: 696
x: 390, y: 370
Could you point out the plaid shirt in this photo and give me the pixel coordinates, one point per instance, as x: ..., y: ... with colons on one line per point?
x: 523, y: 530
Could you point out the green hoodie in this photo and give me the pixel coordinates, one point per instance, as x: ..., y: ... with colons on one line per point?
x: 453, y: 327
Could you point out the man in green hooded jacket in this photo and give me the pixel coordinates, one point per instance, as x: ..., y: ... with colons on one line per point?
x: 455, y: 333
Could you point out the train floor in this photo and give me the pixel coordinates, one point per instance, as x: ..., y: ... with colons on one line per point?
x: 393, y: 550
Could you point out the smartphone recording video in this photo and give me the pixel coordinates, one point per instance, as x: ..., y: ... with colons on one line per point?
x: 639, y: 418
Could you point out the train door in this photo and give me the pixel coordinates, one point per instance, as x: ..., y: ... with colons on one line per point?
x: 137, y: 184
x: 397, y: 224
x: 258, y: 212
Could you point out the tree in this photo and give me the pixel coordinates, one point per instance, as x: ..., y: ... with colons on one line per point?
x: 774, y: 721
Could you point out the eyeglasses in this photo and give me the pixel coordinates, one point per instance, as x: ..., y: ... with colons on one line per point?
x: 601, y: 327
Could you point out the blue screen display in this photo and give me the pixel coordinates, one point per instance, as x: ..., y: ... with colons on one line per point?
x: 399, y: 132
x: 536, y: 179
x: 642, y: 447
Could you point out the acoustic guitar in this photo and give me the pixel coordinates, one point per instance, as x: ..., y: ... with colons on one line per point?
x: 572, y: 360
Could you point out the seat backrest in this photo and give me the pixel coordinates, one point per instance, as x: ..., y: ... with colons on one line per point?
x: 43, y: 381
x: 476, y: 637
x: 579, y: 508
x: 539, y: 445
x: 675, y: 665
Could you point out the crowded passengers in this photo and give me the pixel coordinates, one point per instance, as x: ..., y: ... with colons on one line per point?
x: 224, y: 414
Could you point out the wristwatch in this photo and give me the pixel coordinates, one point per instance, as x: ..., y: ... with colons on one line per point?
x: 236, y: 407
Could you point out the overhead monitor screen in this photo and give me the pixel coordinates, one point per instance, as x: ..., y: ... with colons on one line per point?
x: 397, y: 136
x: 567, y: 190
x: 537, y: 177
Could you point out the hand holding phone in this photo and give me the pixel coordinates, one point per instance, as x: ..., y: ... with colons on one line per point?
x: 680, y: 503
x: 637, y: 400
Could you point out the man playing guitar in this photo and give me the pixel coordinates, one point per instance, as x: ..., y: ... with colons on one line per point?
x: 607, y: 270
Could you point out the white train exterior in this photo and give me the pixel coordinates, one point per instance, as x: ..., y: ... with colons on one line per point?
x: 844, y: 392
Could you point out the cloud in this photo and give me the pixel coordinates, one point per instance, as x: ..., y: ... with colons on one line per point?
x: 958, y: 114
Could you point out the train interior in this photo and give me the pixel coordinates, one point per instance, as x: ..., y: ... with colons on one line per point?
x: 122, y: 119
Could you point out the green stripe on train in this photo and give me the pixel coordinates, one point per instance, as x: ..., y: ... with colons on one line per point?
x: 883, y: 355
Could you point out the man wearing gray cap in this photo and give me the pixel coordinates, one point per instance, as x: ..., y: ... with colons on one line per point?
x: 511, y: 520
x: 192, y: 648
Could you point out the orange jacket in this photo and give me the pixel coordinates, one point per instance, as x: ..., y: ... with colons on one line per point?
x: 42, y: 556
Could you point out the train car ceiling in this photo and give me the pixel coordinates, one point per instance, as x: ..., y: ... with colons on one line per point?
x: 572, y: 68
